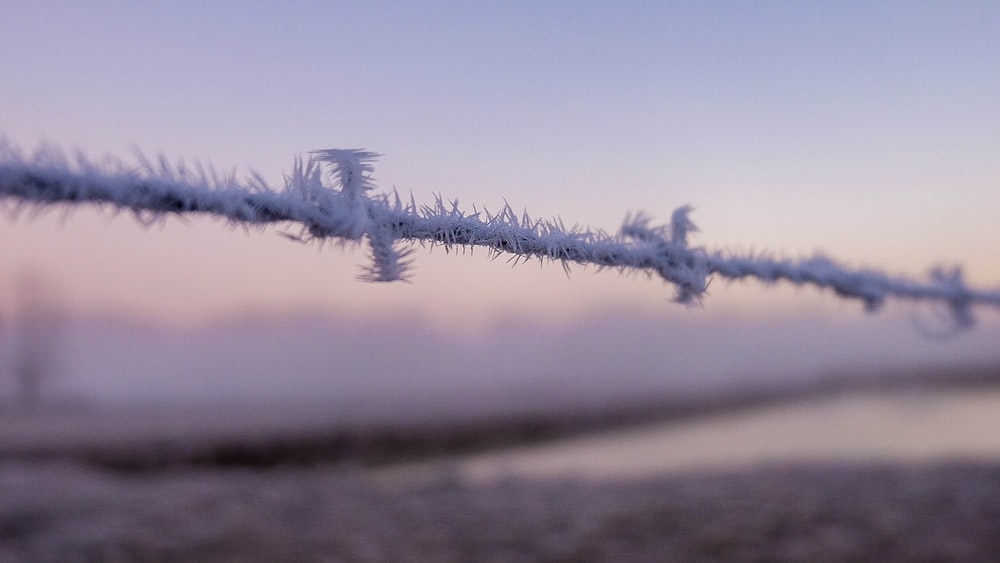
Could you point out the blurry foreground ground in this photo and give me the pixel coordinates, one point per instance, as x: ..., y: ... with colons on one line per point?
x: 805, y: 513
x: 874, y: 468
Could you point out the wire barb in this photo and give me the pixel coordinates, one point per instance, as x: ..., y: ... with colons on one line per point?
x: 346, y: 211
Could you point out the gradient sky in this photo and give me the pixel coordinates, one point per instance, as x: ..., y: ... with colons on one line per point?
x: 866, y: 131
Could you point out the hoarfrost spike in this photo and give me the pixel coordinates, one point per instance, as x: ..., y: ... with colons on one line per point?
x: 347, y: 212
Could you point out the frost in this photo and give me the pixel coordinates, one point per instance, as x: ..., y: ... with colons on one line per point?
x: 342, y: 208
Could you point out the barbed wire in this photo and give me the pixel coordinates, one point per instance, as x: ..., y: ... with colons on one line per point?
x: 345, y: 210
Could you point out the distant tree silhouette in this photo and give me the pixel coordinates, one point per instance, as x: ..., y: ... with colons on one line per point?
x: 36, y: 331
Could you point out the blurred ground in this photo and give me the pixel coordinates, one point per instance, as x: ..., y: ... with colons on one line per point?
x: 66, y: 513
x: 916, y: 416
x: 861, y: 468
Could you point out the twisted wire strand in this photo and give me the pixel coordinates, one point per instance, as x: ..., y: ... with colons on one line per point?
x: 347, y: 212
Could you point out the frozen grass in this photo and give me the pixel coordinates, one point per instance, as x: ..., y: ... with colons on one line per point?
x: 809, y: 513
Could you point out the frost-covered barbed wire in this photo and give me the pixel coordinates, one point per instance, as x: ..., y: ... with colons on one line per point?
x: 347, y: 212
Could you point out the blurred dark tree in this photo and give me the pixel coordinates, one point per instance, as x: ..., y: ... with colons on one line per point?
x: 36, y: 329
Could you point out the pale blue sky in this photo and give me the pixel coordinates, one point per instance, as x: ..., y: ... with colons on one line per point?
x: 868, y: 131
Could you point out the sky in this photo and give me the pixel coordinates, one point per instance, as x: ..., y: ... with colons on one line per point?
x: 868, y: 132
